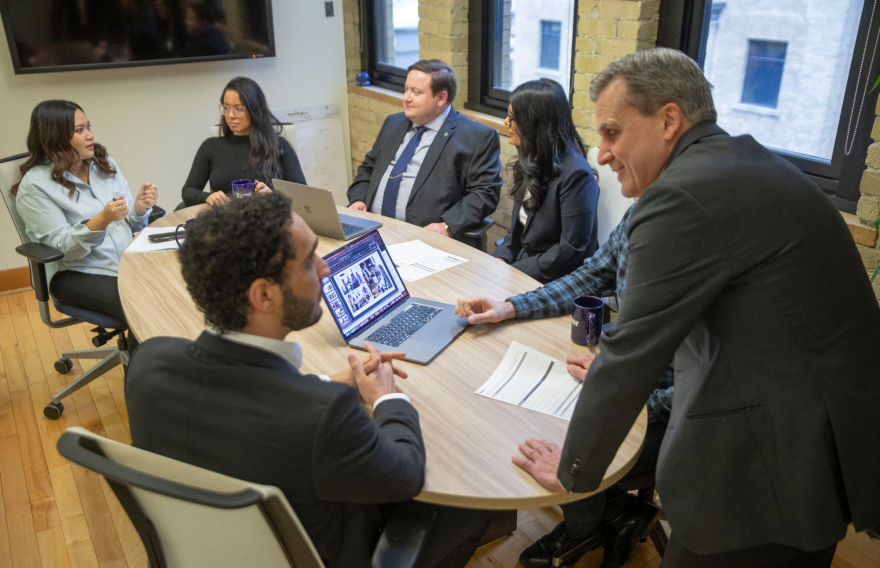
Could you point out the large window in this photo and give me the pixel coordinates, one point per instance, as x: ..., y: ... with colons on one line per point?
x: 392, y: 40
x: 795, y: 75
x: 514, y: 41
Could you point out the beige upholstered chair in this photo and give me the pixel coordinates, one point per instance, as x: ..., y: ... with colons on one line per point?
x: 191, y: 517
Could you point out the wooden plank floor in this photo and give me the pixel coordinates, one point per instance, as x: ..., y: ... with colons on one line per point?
x: 55, y: 514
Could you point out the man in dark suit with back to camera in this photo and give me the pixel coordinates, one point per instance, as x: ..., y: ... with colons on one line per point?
x: 235, y: 402
x: 430, y: 165
x: 742, y: 271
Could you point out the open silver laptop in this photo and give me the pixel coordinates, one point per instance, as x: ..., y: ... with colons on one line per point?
x: 318, y: 208
x: 369, y: 302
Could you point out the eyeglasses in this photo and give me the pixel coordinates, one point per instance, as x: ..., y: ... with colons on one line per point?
x: 510, y: 117
x: 234, y: 111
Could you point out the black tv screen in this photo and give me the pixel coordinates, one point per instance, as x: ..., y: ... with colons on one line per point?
x: 68, y: 35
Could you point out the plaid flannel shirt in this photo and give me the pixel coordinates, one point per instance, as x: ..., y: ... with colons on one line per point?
x: 603, y: 274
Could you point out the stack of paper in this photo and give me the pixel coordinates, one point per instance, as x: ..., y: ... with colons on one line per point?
x: 415, y: 260
x: 533, y: 380
x: 142, y: 243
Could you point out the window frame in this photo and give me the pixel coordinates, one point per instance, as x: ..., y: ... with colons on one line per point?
x: 543, y: 46
x: 756, y: 60
x: 482, y: 95
x: 684, y: 25
x: 381, y: 74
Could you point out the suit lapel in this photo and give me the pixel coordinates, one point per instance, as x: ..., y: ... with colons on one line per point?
x: 443, y: 136
x: 389, y: 150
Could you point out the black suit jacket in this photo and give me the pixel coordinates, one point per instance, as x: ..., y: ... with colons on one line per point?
x: 562, y: 233
x: 248, y: 413
x: 742, y: 269
x: 459, y: 183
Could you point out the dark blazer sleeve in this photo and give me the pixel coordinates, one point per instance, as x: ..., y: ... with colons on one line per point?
x: 357, y: 191
x: 677, y: 267
x: 199, y: 173
x: 359, y: 460
x: 578, y: 195
x: 482, y: 187
x: 290, y: 168
x: 504, y: 251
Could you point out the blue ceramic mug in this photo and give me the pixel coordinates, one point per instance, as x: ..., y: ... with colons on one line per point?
x: 586, y: 320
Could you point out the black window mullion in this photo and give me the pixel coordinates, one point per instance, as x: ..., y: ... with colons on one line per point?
x: 381, y: 74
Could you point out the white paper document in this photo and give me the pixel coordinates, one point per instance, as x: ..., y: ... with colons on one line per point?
x: 142, y: 243
x: 530, y: 379
x: 415, y: 260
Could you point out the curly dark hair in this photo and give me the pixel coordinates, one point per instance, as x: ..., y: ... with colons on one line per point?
x: 227, y: 248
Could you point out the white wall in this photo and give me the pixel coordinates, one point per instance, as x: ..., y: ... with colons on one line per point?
x: 152, y: 119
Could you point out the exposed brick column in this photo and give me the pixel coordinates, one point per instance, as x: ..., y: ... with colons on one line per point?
x: 869, y: 205
x: 443, y: 34
x: 607, y: 30
x: 352, y: 32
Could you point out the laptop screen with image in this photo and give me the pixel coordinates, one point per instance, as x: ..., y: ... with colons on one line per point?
x: 363, y: 283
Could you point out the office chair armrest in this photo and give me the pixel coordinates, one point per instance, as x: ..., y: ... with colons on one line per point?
x: 404, y: 536
x: 481, y: 229
x: 156, y: 213
x: 39, y: 252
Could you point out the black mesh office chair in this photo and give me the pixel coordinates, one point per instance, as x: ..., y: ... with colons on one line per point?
x: 193, y: 517
x: 107, y: 327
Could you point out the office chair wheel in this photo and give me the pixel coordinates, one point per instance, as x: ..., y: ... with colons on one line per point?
x: 53, y: 410
x: 64, y: 365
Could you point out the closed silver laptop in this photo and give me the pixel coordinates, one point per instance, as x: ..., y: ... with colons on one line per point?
x: 318, y: 208
x: 370, y: 303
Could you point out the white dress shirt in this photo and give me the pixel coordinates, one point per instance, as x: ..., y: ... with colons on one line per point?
x: 412, y: 169
x: 290, y: 351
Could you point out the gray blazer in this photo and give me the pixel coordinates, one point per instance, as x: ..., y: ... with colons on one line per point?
x: 459, y: 183
x: 742, y: 269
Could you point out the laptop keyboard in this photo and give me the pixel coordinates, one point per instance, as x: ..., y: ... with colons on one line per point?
x: 404, y: 324
x: 348, y: 229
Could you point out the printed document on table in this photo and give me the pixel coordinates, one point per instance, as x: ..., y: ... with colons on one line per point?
x: 530, y: 379
x: 415, y: 260
x: 142, y: 242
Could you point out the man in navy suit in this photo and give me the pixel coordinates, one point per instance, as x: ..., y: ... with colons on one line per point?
x: 431, y: 166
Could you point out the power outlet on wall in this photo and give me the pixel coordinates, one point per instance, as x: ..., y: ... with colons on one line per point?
x: 328, y: 9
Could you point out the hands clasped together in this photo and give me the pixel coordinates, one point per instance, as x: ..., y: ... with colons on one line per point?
x: 373, y: 375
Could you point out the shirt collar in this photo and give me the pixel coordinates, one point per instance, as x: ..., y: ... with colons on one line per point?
x: 438, y: 120
x: 289, y: 351
x: 69, y: 176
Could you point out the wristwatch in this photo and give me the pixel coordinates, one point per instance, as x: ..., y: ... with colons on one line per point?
x: 448, y: 230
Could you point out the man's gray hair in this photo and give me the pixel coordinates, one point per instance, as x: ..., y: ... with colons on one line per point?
x: 659, y: 76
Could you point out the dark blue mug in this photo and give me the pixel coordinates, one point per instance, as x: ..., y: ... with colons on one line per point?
x: 586, y: 320
x: 177, y: 236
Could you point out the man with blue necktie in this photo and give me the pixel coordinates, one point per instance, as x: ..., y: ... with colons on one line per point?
x: 430, y: 165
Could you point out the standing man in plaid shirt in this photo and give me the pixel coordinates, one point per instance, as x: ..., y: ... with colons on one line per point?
x: 613, y: 518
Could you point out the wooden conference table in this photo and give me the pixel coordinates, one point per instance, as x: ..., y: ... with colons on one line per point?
x: 469, y: 438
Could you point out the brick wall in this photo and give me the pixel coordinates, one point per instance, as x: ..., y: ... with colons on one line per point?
x: 869, y: 207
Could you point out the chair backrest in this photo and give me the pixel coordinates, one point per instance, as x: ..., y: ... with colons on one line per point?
x: 192, y: 517
x: 612, y: 204
x: 10, y: 174
x: 287, y: 131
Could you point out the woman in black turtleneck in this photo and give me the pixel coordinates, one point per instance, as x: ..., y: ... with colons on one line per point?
x: 249, y: 148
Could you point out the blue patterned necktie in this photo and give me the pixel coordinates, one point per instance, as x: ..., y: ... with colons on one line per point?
x: 392, y: 187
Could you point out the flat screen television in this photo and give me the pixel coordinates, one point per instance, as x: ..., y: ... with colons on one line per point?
x: 69, y: 35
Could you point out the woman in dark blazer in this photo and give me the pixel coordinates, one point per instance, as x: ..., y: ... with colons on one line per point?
x: 553, y: 227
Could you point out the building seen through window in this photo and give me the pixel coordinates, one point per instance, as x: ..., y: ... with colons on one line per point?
x: 397, y: 23
x: 779, y: 70
x: 532, y: 40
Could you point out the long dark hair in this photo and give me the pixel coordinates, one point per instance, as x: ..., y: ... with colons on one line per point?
x: 265, y: 155
x: 48, y: 142
x: 542, y: 115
